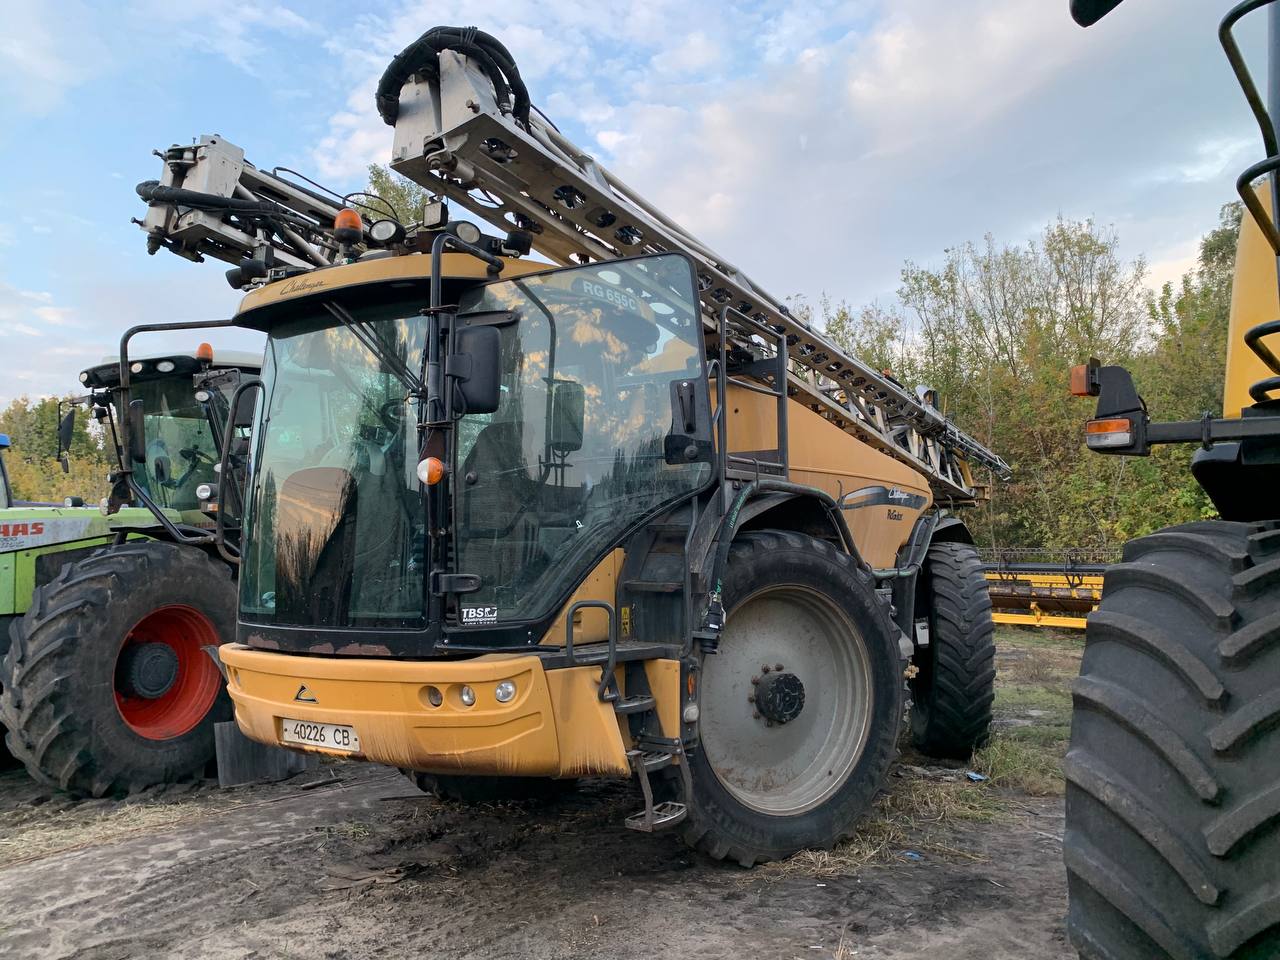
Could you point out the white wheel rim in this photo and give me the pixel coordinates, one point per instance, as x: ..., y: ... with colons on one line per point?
x: 787, y: 768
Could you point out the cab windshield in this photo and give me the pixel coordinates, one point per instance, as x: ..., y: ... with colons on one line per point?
x: 335, y: 509
x: 601, y: 373
x: 181, y: 448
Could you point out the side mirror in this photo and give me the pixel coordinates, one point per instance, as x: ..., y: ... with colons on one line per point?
x: 160, y: 467
x: 66, y: 428
x: 475, y: 368
x: 1088, y: 12
x: 568, y: 415
x: 137, y: 433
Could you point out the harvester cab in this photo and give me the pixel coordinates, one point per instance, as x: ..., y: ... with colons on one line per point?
x: 178, y: 408
x: 509, y: 523
x: 1173, y: 773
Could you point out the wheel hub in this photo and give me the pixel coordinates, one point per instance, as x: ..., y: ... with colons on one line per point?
x: 147, y: 670
x: 780, y: 697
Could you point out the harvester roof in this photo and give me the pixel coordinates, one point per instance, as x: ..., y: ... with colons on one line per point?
x: 106, y: 375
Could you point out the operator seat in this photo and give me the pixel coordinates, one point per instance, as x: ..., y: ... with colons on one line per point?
x: 501, y: 490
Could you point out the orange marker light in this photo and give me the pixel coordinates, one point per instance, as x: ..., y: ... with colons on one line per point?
x: 430, y: 470
x: 347, y: 219
x: 204, y: 353
x: 1082, y: 382
x: 1112, y: 432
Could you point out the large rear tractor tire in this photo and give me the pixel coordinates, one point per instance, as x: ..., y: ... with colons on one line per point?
x: 954, y: 688
x: 800, y: 708
x: 107, y: 685
x: 462, y: 788
x: 1172, y: 839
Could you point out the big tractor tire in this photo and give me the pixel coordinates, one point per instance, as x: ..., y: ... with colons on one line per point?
x: 108, y: 685
x: 800, y: 707
x: 1173, y: 775
x: 462, y: 788
x: 954, y: 687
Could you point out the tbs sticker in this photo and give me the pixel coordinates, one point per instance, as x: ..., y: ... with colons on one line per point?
x: 475, y: 615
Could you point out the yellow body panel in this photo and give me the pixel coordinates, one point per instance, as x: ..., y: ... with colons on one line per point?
x: 824, y: 456
x: 590, y: 625
x: 555, y: 727
x: 1254, y: 299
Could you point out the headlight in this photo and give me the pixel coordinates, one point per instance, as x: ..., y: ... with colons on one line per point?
x: 206, y: 491
x: 165, y: 366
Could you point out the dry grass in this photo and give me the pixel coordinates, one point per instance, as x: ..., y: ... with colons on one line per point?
x: 914, y: 816
x: 70, y: 830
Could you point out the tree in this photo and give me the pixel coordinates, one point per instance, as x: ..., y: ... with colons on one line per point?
x: 995, y: 329
x: 32, y: 462
x: 405, y: 197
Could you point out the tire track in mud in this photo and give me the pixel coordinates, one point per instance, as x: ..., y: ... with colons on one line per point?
x: 542, y: 881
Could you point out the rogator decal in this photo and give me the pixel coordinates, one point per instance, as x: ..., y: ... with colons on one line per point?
x: 26, y: 534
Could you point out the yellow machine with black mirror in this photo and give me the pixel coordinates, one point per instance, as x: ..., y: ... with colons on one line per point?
x: 1173, y: 774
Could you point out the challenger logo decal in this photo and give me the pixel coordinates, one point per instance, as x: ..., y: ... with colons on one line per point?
x: 304, y: 695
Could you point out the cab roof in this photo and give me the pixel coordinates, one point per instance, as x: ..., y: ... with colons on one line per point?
x: 411, y: 270
x: 106, y: 375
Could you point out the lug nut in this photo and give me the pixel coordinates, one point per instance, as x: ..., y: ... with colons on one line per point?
x: 755, y: 679
x: 765, y: 669
x: 778, y: 667
x: 751, y: 698
x: 755, y: 715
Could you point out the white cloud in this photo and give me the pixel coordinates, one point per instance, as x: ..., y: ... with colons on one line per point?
x: 45, y: 53
x: 696, y: 53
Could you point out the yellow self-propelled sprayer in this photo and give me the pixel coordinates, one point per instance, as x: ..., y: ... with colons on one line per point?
x: 511, y: 523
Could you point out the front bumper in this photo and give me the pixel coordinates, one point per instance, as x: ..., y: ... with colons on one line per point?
x: 555, y: 726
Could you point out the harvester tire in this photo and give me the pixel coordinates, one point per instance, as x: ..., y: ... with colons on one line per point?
x: 1173, y: 773
x: 107, y: 687
x: 800, y: 707
x: 954, y: 689
x: 477, y: 789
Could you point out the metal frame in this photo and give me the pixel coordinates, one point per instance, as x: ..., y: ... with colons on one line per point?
x: 452, y: 136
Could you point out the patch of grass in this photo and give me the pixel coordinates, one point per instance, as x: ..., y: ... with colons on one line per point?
x: 1022, y: 763
x: 914, y: 815
x: 69, y: 830
x: 1032, y: 709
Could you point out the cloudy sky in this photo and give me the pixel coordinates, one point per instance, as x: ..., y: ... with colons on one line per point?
x: 816, y: 144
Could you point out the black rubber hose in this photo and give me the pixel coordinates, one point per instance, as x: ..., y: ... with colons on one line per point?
x: 153, y: 192
x: 422, y: 57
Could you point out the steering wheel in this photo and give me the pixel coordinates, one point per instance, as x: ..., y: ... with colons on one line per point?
x: 391, y: 414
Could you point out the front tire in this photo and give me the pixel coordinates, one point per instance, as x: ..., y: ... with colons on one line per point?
x: 108, y: 687
x: 1173, y: 775
x: 793, y: 760
x: 954, y: 688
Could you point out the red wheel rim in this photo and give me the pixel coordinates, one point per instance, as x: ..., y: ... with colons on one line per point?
x: 179, y: 709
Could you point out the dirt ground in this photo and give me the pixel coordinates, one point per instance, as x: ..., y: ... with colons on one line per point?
x: 350, y: 861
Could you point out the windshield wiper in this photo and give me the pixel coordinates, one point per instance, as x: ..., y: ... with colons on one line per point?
x: 383, y: 351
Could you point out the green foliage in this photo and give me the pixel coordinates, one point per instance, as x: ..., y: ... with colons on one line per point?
x: 404, y: 196
x: 995, y: 329
x: 34, y: 471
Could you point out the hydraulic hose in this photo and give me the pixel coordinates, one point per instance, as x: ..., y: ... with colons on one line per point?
x: 422, y: 57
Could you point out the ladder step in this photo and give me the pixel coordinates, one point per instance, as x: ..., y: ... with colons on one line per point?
x: 662, y: 816
x: 633, y: 704
x: 647, y: 761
